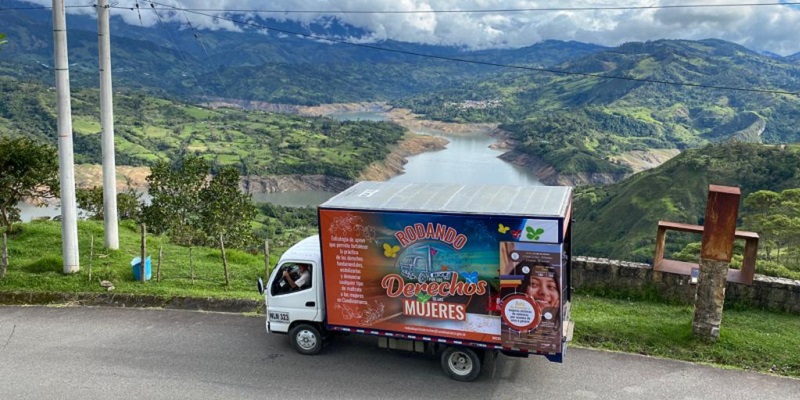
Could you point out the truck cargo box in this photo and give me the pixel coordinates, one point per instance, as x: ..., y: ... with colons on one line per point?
x: 474, y: 265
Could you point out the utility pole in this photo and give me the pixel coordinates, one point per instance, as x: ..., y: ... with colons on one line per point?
x: 107, y: 122
x: 66, y: 162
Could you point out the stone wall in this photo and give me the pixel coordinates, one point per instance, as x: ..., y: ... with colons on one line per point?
x: 602, y: 274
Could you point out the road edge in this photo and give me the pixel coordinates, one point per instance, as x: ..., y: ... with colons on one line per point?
x: 133, y: 300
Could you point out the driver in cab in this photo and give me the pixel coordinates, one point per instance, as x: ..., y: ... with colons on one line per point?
x: 302, y: 281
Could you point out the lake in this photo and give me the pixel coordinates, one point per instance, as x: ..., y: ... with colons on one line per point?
x: 466, y: 160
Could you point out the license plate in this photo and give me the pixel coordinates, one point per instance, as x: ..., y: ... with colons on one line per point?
x: 279, y: 316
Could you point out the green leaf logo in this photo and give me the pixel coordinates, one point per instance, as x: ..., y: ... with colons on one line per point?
x: 534, y: 234
x: 423, y: 297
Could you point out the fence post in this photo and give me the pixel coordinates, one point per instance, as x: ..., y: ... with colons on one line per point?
x: 266, y: 259
x: 91, y: 256
x: 224, y: 260
x: 144, y: 254
x: 158, y: 269
x: 191, y: 265
x: 4, y: 260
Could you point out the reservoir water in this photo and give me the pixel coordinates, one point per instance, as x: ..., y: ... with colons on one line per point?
x: 466, y: 160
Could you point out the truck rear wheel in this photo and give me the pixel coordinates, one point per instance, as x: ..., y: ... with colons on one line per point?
x: 461, y: 363
x: 306, y: 339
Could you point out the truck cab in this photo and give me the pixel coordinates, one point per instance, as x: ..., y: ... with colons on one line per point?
x: 288, y: 307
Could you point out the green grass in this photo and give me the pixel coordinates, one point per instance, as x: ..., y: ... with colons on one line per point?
x: 749, y: 339
x: 156, y: 132
x: 150, y: 129
x: 197, y: 112
x: 35, y: 264
x: 86, y: 126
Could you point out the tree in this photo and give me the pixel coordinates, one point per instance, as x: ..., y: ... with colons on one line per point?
x: 194, y: 209
x: 760, y: 208
x: 175, y: 202
x: 776, y: 217
x: 29, y: 173
x: 227, y: 211
x: 91, y: 202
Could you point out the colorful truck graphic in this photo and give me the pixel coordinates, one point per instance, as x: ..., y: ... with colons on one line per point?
x: 461, y: 270
x: 417, y: 263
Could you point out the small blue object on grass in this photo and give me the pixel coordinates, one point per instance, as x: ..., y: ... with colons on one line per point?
x: 136, y: 265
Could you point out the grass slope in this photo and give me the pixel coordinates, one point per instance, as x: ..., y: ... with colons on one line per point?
x: 149, y: 129
x: 620, y: 220
x: 35, y: 264
x: 749, y: 339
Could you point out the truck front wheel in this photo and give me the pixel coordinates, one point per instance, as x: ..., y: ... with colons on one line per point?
x: 306, y: 339
x: 461, y: 363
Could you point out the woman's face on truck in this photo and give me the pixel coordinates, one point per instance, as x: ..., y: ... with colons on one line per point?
x: 544, y: 290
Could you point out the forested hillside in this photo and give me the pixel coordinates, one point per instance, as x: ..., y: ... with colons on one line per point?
x: 620, y: 220
x: 579, y: 123
x: 149, y: 129
x: 576, y: 123
x: 171, y: 60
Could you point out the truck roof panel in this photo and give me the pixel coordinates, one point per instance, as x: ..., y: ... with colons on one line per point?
x: 528, y: 201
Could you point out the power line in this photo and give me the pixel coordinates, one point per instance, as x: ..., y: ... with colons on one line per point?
x: 468, y: 11
x: 200, y: 42
x: 454, y: 59
x: 495, y: 10
x: 186, y: 63
x: 486, y: 63
x: 44, y: 7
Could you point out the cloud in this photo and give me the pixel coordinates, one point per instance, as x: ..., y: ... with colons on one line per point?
x: 772, y: 28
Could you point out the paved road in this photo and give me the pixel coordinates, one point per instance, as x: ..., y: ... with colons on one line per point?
x: 104, y: 353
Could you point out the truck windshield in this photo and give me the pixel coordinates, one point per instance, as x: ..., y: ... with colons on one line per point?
x: 299, y: 278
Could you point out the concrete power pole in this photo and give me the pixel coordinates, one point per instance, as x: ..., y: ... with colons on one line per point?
x: 66, y: 162
x: 107, y: 122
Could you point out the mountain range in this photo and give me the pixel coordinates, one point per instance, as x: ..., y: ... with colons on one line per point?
x: 171, y: 60
x: 582, y: 120
x: 580, y: 109
x: 577, y: 107
x: 620, y: 220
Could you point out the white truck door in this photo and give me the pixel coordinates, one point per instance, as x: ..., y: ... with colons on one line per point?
x: 286, y: 304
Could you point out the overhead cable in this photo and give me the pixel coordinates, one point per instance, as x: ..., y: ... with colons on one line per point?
x: 491, y: 10
x: 486, y: 63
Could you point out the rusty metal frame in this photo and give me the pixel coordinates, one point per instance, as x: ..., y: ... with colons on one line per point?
x: 744, y: 276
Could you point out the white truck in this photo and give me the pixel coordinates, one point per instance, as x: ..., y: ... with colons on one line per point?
x: 466, y: 271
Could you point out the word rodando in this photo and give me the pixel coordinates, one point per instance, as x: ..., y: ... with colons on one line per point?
x: 418, y: 231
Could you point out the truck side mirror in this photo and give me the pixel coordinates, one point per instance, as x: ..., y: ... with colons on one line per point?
x: 260, y: 285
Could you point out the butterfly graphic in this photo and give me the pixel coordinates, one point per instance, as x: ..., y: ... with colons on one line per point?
x: 471, y: 277
x: 390, y: 251
x: 534, y: 234
x: 515, y: 233
x: 502, y: 228
x: 434, y: 251
x: 423, y: 297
